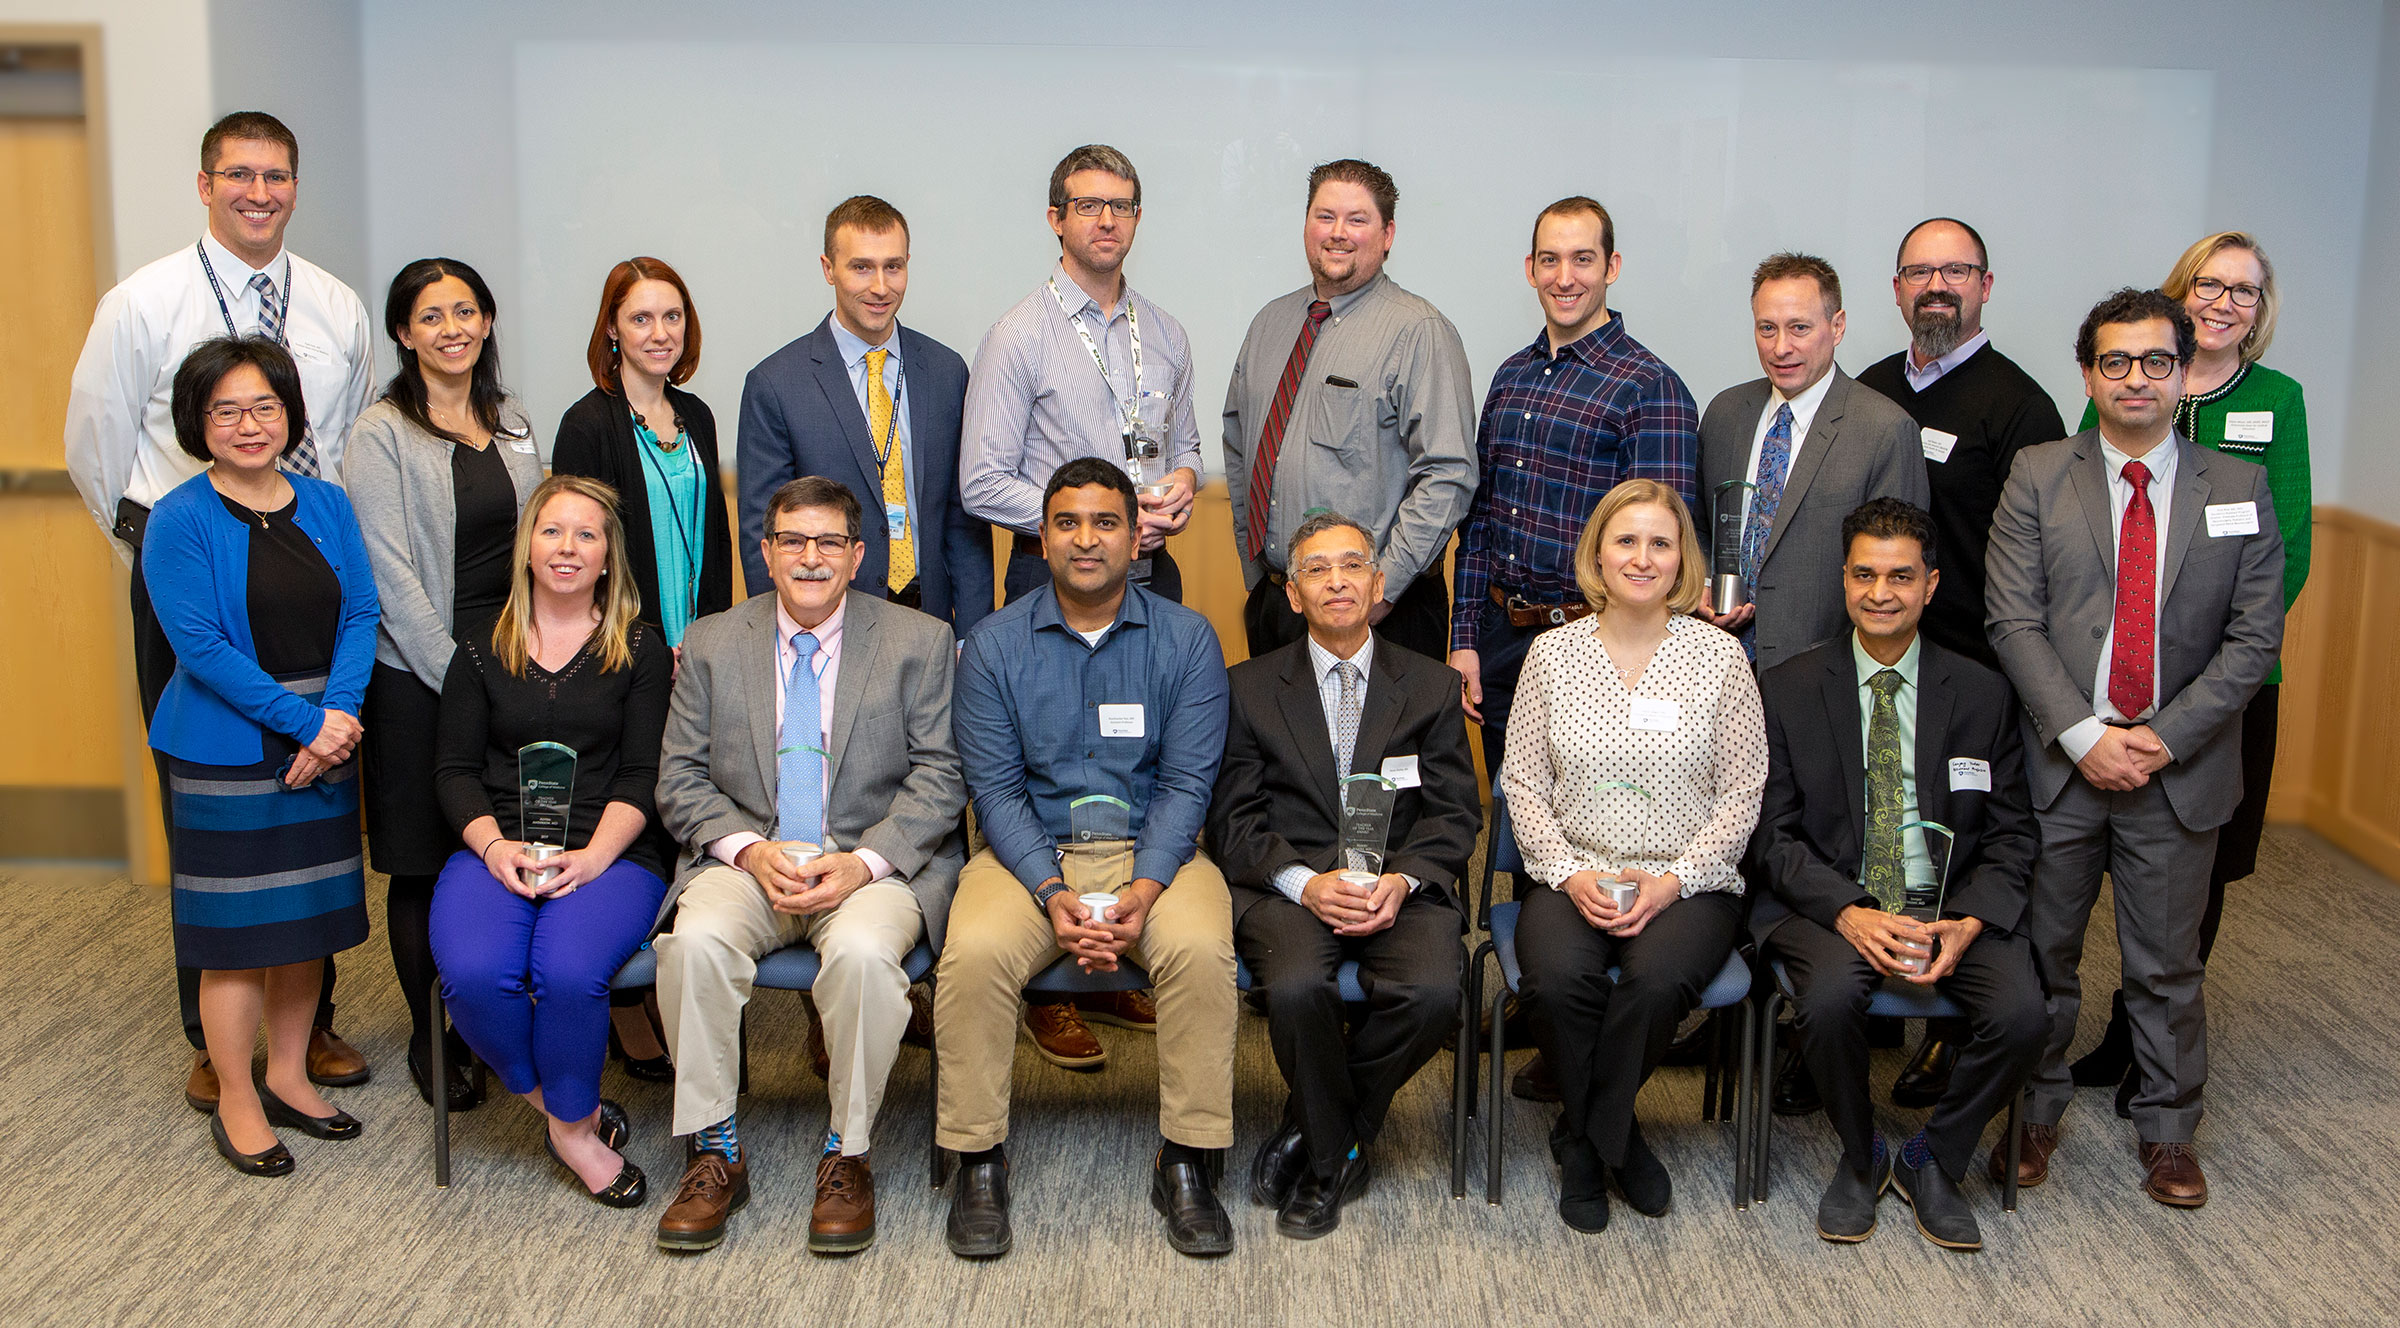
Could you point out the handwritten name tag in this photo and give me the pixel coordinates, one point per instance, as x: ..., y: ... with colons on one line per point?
x: 1656, y: 716
x: 1937, y: 443
x: 2232, y: 519
x: 1968, y: 773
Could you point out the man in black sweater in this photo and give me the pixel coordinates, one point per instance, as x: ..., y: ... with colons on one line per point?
x: 1976, y: 410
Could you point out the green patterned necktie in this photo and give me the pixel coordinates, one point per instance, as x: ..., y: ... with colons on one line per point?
x: 1881, y: 864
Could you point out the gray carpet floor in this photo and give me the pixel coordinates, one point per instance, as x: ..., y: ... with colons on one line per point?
x: 118, y: 1211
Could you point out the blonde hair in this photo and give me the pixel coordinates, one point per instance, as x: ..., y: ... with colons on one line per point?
x: 620, y: 600
x: 2178, y: 285
x: 1691, y: 578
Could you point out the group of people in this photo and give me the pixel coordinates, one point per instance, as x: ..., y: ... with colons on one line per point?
x: 572, y: 740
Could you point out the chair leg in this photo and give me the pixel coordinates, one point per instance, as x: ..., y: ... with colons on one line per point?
x: 1495, y: 1123
x: 1475, y: 1012
x: 742, y: 1040
x: 1742, y: 1123
x: 1461, y: 1096
x: 2016, y: 1149
x: 438, y: 1074
x: 1713, y: 1074
x: 934, y: 1157
x: 1762, y: 1071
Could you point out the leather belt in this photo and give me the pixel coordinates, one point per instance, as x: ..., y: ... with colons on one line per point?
x: 1523, y: 612
x: 1029, y: 545
x: 911, y: 595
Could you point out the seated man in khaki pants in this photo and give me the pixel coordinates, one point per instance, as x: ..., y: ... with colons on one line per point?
x: 806, y: 716
x: 1089, y: 688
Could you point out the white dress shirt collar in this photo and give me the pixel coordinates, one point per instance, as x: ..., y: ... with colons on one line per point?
x: 1920, y: 379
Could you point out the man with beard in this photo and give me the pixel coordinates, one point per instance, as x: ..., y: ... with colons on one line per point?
x: 1976, y: 410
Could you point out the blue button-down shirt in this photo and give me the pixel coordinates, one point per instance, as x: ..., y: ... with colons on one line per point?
x: 1028, y: 728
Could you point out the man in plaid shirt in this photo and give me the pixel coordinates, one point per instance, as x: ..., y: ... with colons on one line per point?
x: 1567, y: 419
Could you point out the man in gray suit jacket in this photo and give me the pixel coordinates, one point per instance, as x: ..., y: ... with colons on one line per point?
x: 1816, y: 444
x: 814, y: 717
x: 2135, y: 598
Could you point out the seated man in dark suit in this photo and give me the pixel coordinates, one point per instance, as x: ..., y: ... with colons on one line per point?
x: 1867, y: 734
x: 1339, y: 700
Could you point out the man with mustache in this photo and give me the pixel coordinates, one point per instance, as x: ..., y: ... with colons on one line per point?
x: 2135, y: 596
x: 1975, y: 410
x: 1350, y: 395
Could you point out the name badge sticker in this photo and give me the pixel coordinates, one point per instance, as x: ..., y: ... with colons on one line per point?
x: 2250, y: 426
x: 1121, y: 721
x: 2232, y: 519
x: 316, y: 354
x: 1937, y: 444
x: 895, y: 521
x: 1401, y: 770
x: 523, y: 445
x: 1655, y: 716
x: 1970, y: 774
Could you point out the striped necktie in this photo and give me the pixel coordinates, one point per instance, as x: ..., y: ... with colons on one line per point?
x: 1270, y: 438
x: 302, y: 459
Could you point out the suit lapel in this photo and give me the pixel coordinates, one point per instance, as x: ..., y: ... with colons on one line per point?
x: 1379, y: 717
x: 917, y: 428
x: 758, y: 692
x: 833, y: 378
x: 1933, y: 735
x: 1304, y: 719
x: 2089, y: 477
x: 1841, y: 715
x: 1821, y: 435
x: 2183, y: 519
x: 859, y: 650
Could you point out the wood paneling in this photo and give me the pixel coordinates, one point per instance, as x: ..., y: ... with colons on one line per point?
x: 46, y: 230
x: 2341, y: 708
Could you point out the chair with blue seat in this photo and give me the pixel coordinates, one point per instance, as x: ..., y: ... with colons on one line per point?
x: 792, y: 968
x: 1728, y: 1091
x: 1892, y: 999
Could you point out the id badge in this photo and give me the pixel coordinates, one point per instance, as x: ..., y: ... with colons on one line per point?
x: 895, y: 521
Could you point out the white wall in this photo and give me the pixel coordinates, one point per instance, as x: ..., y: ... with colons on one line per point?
x: 299, y: 60
x: 2287, y: 139
x: 2370, y: 469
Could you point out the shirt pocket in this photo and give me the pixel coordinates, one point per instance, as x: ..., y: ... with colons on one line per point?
x: 1344, y: 424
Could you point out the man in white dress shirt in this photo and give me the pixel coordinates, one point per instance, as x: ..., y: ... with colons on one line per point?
x: 121, y: 451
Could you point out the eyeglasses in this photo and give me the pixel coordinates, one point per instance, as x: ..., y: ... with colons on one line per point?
x: 1956, y: 274
x: 1315, y: 570
x: 1090, y: 207
x: 227, y: 417
x: 2155, y: 364
x: 793, y: 544
x: 241, y: 177
x: 2244, y: 295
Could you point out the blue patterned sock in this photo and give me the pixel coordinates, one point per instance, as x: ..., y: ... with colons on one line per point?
x: 1875, y: 1166
x: 833, y: 1142
x: 1353, y: 1153
x: 720, y: 1138
x: 1917, y: 1153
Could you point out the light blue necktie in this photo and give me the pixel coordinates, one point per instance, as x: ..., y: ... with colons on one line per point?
x: 799, y: 752
x: 1774, y: 462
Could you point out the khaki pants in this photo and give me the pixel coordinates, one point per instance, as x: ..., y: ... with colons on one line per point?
x: 998, y: 939
x: 723, y: 925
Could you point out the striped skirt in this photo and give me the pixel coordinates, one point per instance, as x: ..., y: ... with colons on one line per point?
x: 264, y: 874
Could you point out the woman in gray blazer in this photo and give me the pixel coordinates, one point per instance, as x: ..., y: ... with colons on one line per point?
x: 438, y: 468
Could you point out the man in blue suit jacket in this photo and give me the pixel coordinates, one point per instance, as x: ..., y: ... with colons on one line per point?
x: 874, y: 406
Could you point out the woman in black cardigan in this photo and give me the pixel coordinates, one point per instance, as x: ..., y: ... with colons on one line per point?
x: 655, y: 444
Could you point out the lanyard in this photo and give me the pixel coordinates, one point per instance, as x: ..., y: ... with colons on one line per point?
x: 283, y: 316
x: 687, y: 534
x: 1133, y: 328
x: 891, y: 439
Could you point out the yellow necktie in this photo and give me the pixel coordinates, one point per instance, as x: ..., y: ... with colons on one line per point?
x: 903, y: 567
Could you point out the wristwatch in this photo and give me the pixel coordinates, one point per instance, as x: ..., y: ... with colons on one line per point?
x: 1043, y: 896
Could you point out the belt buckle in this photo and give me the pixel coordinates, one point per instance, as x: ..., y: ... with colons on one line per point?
x: 1558, y: 615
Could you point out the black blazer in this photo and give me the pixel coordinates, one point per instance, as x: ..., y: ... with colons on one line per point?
x: 1812, y: 823
x: 1275, y: 802
x: 595, y: 438
x: 800, y: 416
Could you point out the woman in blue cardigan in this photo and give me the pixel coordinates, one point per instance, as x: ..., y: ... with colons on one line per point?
x: 261, y: 582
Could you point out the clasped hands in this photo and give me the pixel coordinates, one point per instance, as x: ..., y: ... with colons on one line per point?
x: 1098, y: 941
x: 1890, y: 942
x: 1653, y: 893
x: 2124, y: 759
x: 510, y: 865
x: 816, y: 887
x: 1352, y: 910
x: 336, y: 739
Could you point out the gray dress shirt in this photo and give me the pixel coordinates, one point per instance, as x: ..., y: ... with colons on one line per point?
x: 1382, y: 429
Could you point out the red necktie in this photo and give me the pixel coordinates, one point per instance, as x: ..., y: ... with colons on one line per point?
x: 1270, y: 439
x: 2133, y: 663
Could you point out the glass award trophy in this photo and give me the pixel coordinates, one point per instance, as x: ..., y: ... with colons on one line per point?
x: 1927, y: 882
x: 1612, y: 801
x: 1728, y: 589
x: 1099, y: 827
x: 1146, y: 443
x: 1367, y: 801
x: 545, y: 792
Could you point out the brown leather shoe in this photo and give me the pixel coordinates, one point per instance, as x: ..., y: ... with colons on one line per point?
x: 920, y: 1018
x: 843, y: 1221
x: 2172, y: 1174
x: 1058, y: 1033
x: 1121, y: 1009
x: 2033, y: 1159
x: 711, y: 1191
x: 200, y: 1091
x: 332, y: 1062
x: 819, y: 1059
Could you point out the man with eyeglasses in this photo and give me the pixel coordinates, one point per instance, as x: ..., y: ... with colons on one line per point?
x: 1975, y: 410
x: 1350, y: 395
x: 829, y: 819
x: 1337, y: 711
x: 237, y: 279
x: 2135, y: 598
x: 1060, y: 376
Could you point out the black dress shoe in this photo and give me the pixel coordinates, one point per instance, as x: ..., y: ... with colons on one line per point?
x: 1183, y: 1192
x: 978, y: 1226
x: 1315, y: 1207
x: 465, y: 1093
x: 1582, y: 1184
x: 275, y: 1161
x: 1943, y: 1215
x: 2126, y: 1088
x: 1278, y: 1167
x: 1928, y: 1076
x: 614, y: 1130
x: 1643, y: 1179
x: 1796, y: 1088
x: 1533, y: 1081
x: 1846, y: 1213
x: 2107, y: 1063
x: 339, y: 1125
x: 628, y: 1190
x: 659, y: 1069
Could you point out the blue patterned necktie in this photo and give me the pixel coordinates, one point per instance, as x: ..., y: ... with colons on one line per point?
x: 799, y: 752
x: 1774, y: 461
x: 302, y: 459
